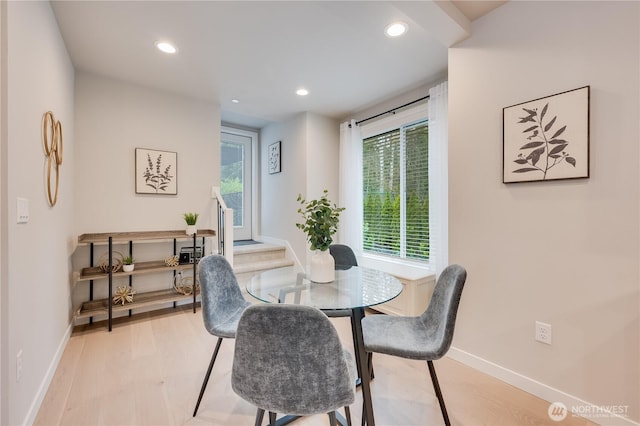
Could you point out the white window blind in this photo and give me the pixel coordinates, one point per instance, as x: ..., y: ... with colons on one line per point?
x: 396, y: 192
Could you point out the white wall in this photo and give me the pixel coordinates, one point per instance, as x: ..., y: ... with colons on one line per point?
x: 309, y: 143
x: 40, y: 78
x: 563, y: 252
x: 114, y: 118
x: 4, y: 280
x: 323, y: 153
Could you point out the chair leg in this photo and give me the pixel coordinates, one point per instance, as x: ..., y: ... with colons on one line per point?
x: 370, y: 363
x: 259, y: 417
x: 436, y: 387
x: 206, y: 377
x: 272, y: 418
x: 347, y: 414
x: 332, y: 419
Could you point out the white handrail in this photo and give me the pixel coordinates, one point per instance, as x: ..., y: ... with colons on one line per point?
x: 225, y: 225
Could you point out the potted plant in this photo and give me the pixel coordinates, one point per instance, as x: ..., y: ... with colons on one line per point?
x: 128, y: 264
x: 191, y: 219
x: 321, y: 219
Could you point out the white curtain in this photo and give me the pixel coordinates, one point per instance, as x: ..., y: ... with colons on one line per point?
x: 350, y: 178
x: 438, y: 177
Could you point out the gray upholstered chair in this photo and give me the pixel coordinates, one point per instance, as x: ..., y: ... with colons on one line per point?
x: 427, y: 337
x: 343, y: 256
x: 288, y: 359
x: 222, y: 305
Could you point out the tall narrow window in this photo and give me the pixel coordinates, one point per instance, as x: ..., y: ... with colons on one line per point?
x: 396, y: 192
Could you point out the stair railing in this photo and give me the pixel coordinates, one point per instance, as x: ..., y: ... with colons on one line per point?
x: 225, y: 225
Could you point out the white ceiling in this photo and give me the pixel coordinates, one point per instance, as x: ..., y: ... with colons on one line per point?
x: 261, y: 52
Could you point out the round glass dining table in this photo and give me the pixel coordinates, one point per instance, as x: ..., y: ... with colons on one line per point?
x: 354, y: 289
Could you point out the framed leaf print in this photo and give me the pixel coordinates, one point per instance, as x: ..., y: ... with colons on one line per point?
x: 547, y: 138
x: 273, y: 158
x: 156, y: 172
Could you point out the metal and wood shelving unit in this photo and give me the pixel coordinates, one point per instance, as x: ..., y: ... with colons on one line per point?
x: 92, y: 307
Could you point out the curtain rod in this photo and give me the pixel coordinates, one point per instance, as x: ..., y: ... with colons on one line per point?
x: 393, y: 110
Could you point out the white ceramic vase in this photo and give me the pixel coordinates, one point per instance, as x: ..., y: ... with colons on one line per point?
x: 322, y: 268
x: 128, y: 268
x: 191, y: 229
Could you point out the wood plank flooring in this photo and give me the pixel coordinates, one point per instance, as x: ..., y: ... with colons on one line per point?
x: 149, y: 370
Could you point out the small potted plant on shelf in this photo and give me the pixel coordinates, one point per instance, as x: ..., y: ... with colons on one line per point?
x: 128, y: 264
x: 321, y: 219
x: 191, y: 219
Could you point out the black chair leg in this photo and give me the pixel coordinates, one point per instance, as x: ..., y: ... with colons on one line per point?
x: 436, y: 387
x: 332, y: 419
x: 272, y: 418
x: 347, y: 414
x: 370, y: 362
x: 259, y: 417
x: 206, y: 377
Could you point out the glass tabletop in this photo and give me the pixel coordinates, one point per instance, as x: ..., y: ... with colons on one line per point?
x: 356, y: 287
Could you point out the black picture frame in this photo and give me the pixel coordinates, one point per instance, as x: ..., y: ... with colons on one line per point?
x: 156, y: 172
x: 547, y: 138
x: 274, y: 158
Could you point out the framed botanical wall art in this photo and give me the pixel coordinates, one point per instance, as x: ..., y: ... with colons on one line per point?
x: 273, y: 158
x: 547, y: 138
x: 156, y: 172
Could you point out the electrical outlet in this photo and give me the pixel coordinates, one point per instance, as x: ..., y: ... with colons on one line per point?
x: 543, y: 332
x: 19, y: 365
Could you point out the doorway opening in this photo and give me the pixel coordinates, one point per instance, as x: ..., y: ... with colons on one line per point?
x: 237, y: 149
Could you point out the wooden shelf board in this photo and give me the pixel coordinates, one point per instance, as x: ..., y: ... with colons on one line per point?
x: 96, y: 273
x: 124, y: 237
x: 140, y: 300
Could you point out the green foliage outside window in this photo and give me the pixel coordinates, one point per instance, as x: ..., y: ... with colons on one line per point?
x: 383, y: 187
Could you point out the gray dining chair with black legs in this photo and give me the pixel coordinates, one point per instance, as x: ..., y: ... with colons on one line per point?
x: 426, y: 337
x: 343, y: 256
x: 222, y: 305
x: 289, y: 360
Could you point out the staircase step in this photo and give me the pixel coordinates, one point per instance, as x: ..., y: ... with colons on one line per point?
x: 251, y: 254
x: 261, y: 265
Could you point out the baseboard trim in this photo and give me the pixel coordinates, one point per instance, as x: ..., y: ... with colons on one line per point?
x: 46, y: 381
x: 590, y: 411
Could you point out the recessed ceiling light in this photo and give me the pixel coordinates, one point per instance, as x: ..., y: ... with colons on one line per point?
x: 302, y: 92
x: 166, y: 47
x: 235, y: 101
x: 395, y: 29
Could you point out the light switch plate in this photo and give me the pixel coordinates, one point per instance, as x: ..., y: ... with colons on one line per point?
x: 23, y: 210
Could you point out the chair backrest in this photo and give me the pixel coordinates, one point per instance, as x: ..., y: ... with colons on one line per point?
x: 288, y: 359
x: 440, y: 316
x: 343, y: 256
x: 220, y: 294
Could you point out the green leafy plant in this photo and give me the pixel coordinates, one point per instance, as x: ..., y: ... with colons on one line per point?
x: 128, y: 260
x: 321, y: 219
x: 191, y: 218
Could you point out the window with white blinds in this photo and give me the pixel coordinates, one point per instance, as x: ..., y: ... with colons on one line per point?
x: 395, y: 170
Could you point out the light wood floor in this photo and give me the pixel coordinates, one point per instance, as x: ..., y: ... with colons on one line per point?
x: 148, y: 371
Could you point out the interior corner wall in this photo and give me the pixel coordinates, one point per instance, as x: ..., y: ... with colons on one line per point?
x: 40, y: 78
x: 278, y: 191
x: 562, y: 252
x: 309, y: 142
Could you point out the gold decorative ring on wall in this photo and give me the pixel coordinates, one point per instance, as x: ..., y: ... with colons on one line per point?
x: 52, y: 141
